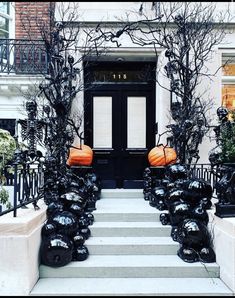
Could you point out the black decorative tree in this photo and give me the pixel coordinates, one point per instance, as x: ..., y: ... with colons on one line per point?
x: 188, y: 32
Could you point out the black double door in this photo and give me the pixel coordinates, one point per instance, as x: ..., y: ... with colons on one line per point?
x: 119, y: 126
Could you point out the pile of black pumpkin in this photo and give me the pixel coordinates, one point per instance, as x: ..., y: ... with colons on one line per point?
x: 186, y: 201
x: 69, y: 216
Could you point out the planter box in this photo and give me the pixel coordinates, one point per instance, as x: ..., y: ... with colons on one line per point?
x: 20, y: 239
x: 223, y: 235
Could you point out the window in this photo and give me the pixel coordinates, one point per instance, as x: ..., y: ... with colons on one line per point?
x: 228, y: 80
x: 7, y: 31
x: 4, y: 19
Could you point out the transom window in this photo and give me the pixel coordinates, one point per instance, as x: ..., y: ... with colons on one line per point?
x: 111, y: 73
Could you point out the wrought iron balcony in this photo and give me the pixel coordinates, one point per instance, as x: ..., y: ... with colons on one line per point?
x: 23, y: 56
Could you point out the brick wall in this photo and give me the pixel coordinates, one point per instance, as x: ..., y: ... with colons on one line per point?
x: 32, y: 18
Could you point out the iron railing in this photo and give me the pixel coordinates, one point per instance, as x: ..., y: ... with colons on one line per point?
x: 23, y: 56
x: 27, y: 181
x: 206, y: 172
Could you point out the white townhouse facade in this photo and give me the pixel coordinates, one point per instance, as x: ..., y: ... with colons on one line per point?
x: 123, y: 111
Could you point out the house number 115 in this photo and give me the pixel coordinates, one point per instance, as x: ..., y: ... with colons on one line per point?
x: 119, y: 76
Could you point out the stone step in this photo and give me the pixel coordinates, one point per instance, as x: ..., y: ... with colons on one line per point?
x: 121, y: 193
x: 129, y: 266
x: 131, y: 245
x: 126, y: 210
x: 131, y: 229
x: 130, y: 254
x: 130, y: 287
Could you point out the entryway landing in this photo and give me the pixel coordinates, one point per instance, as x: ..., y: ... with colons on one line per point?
x: 122, y: 193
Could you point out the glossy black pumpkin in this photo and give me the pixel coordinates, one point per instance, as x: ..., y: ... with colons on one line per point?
x: 90, y: 218
x: 53, y: 208
x: 56, y: 250
x: 72, y: 197
x: 157, y: 196
x: 78, y: 239
x: 66, y: 222
x: 80, y: 253
x: 174, y: 195
x: 176, y: 171
x: 48, y: 229
x: 178, y: 211
x: 193, y: 233
x: 197, y: 189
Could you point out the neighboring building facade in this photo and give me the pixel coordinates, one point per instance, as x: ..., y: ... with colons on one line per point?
x: 124, y: 108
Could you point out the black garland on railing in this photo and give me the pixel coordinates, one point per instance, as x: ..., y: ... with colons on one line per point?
x: 186, y: 200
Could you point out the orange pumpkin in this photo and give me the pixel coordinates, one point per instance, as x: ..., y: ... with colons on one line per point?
x: 162, y: 156
x: 80, y: 157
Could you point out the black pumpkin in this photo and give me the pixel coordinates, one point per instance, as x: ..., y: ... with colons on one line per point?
x: 157, y: 196
x: 196, y: 189
x: 193, y: 233
x: 80, y: 253
x: 178, y: 211
x: 176, y: 171
x: 174, y: 195
x: 56, y: 250
x: 48, y: 229
x: 78, y: 239
x: 65, y: 222
x: 53, y: 208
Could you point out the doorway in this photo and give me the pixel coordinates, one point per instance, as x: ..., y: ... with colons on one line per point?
x: 119, y: 122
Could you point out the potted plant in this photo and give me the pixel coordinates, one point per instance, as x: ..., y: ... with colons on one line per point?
x: 7, y: 149
x: 228, y: 141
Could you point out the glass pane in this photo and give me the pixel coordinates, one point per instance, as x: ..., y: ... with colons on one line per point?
x: 4, y: 27
x: 4, y: 7
x: 228, y: 96
x: 229, y: 70
x: 228, y: 61
x: 3, y: 34
x: 136, y: 122
x: 102, y: 122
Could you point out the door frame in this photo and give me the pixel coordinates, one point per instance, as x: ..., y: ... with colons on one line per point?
x: 111, y: 89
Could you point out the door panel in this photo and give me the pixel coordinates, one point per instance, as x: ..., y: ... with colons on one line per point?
x: 102, y: 122
x: 136, y: 122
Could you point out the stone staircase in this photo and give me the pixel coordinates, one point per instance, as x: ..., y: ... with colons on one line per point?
x: 131, y: 254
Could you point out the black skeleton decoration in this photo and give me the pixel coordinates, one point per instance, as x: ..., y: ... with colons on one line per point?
x: 32, y: 130
x: 223, y: 169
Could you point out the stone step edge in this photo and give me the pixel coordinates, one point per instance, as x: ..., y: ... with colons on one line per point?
x: 131, y: 287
